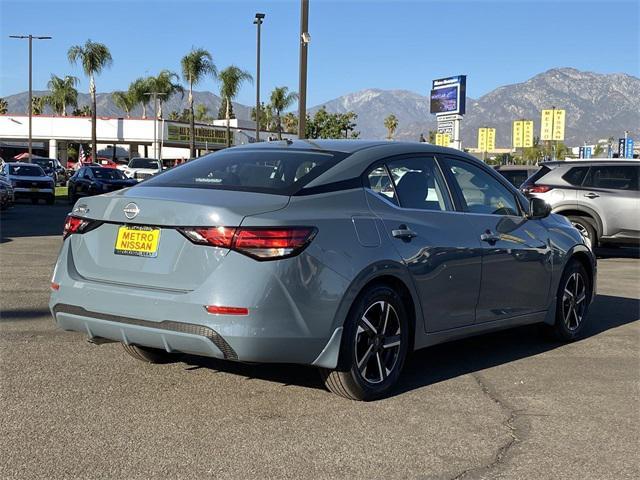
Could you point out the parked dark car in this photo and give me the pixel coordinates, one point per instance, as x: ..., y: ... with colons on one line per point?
x: 517, y: 174
x: 95, y: 180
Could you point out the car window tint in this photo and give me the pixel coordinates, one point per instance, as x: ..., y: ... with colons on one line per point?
x: 616, y: 177
x: 515, y: 177
x: 380, y: 182
x: 108, y: 174
x: 144, y: 163
x: 481, y: 192
x: 575, y: 175
x: 419, y: 184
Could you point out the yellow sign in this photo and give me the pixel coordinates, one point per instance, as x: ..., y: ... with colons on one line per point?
x: 523, y: 134
x: 486, y: 139
x: 179, y: 133
x: 137, y: 240
x: 552, y: 125
x: 443, y: 139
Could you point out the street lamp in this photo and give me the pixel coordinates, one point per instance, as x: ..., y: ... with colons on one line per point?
x: 257, y: 22
x: 155, y: 96
x: 305, y: 38
x: 30, y: 38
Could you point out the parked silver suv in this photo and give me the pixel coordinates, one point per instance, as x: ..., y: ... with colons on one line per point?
x: 601, y: 198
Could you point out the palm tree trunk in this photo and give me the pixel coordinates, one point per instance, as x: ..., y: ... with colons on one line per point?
x: 144, y: 110
x: 279, y: 125
x: 228, y: 125
x: 192, y: 132
x: 94, y: 139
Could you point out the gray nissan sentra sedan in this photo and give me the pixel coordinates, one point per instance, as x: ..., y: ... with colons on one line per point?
x: 345, y: 255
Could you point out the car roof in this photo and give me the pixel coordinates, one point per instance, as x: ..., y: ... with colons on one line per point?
x: 573, y: 163
x: 21, y: 164
x: 518, y: 167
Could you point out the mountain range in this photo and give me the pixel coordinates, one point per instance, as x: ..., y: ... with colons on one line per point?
x: 597, y: 105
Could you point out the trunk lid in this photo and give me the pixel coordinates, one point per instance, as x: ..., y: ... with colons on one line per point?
x: 178, y: 264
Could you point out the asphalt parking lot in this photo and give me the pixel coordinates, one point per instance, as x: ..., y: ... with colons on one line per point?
x: 510, y: 405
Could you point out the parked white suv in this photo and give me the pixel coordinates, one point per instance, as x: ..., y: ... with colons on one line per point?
x: 141, y: 168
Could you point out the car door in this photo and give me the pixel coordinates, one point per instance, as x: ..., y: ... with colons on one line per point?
x: 82, y: 182
x: 612, y: 192
x: 516, y: 256
x: 411, y: 198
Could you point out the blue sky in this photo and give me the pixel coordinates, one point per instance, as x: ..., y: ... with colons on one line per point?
x: 355, y: 44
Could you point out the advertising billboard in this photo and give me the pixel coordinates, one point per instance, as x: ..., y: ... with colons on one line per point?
x: 486, y: 139
x: 522, y: 134
x: 448, y: 95
x: 552, y: 124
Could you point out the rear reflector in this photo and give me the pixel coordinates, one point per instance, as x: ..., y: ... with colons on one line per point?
x: 218, y: 310
x: 536, y: 188
x: 261, y: 243
x: 55, y: 286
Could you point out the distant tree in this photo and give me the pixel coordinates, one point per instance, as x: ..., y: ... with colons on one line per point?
x: 195, y: 66
x: 37, y: 105
x: 331, y: 125
x: 62, y: 93
x: 138, y: 90
x: 266, y: 116
x: 222, y: 111
x: 231, y: 78
x: 166, y: 85
x: 202, y: 113
x: 281, y: 99
x: 4, y: 106
x: 290, y: 121
x: 94, y: 57
x: 391, y: 124
x: 84, y: 111
x: 598, y: 150
x: 432, y: 136
x: 125, y: 101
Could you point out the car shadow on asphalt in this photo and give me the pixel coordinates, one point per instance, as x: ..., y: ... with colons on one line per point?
x: 619, y: 252
x: 450, y: 360
x: 26, y: 220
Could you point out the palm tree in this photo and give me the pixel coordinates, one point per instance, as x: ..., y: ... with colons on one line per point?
x: 124, y: 100
x: 230, y: 80
x: 4, y: 106
x: 290, y: 121
x: 195, y: 66
x: 391, y: 124
x: 63, y: 93
x: 164, y: 85
x: 282, y: 99
x: 94, y: 57
x: 37, y: 105
x: 138, y: 90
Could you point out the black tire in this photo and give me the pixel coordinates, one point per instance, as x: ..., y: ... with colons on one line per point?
x: 34, y: 200
x: 567, y: 327
x: 151, y: 355
x: 51, y: 199
x: 586, y: 227
x: 371, y: 348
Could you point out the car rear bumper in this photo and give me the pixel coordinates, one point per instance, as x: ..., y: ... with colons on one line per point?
x: 278, y: 328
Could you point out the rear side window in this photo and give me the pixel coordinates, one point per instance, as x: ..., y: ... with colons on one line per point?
x: 615, y: 177
x: 539, y: 174
x: 575, y: 175
x: 281, y: 172
x: 381, y: 183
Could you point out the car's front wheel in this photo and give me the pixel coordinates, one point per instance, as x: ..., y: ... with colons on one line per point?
x: 375, y: 341
x: 572, y: 302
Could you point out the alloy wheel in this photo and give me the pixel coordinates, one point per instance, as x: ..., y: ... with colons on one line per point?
x: 583, y: 231
x: 574, y: 302
x: 377, y: 342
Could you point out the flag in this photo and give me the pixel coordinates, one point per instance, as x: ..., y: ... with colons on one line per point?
x: 82, y: 157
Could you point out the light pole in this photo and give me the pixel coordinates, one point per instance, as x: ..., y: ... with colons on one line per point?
x: 258, y: 22
x: 155, y: 96
x: 305, y: 38
x: 30, y: 38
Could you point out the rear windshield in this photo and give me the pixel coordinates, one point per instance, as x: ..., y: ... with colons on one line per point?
x: 143, y: 163
x: 108, y: 174
x: 515, y: 177
x: 26, y: 170
x: 267, y: 171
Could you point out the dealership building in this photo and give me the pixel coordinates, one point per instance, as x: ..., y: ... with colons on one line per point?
x: 52, y: 136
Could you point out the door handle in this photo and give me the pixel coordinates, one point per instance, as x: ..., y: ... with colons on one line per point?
x: 404, y: 233
x: 592, y: 195
x: 489, y: 237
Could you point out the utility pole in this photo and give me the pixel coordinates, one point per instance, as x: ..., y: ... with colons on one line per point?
x: 305, y: 38
x: 258, y: 22
x: 30, y: 38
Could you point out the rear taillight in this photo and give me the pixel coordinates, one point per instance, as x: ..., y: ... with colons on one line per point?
x: 261, y: 243
x: 533, y: 188
x: 78, y: 225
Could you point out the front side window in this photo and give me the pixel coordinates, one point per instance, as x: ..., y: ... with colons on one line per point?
x: 615, y: 177
x: 282, y: 172
x: 419, y: 184
x: 481, y: 192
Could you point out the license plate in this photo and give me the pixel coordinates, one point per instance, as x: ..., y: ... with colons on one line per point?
x: 138, y: 241
x: 34, y: 189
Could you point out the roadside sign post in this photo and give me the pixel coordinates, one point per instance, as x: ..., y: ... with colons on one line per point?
x: 448, y: 103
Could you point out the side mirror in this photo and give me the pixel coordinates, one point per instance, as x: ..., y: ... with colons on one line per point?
x: 538, y: 208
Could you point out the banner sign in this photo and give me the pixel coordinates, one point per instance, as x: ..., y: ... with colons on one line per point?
x: 628, y: 150
x: 621, y: 148
x: 552, y: 125
x: 448, y: 95
x: 180, y: 133
x: 522, y: 134
x: 486, y: 139
x: 443, y: 139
